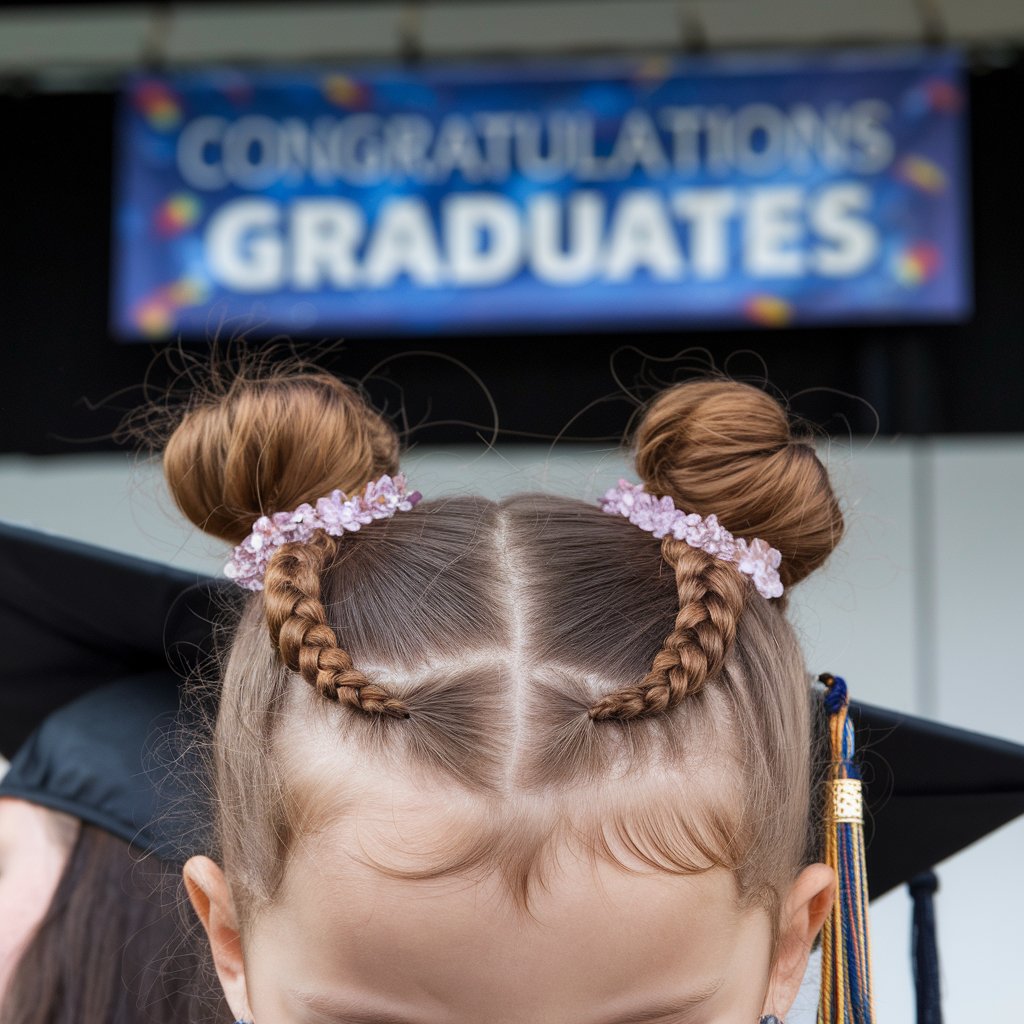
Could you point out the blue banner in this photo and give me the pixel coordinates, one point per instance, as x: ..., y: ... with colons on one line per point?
x: 764, y: 190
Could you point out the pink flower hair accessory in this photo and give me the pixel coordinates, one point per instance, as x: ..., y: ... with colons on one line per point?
x: 335, y: 514
x: 660, y: 517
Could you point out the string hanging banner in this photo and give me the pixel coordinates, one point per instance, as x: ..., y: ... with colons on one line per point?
x: 580, y: 195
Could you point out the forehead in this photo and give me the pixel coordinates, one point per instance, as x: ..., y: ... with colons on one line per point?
x: 596, y: 938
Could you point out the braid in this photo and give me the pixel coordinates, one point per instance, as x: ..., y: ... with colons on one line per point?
x: 299, y: 629
x: 711, y: 598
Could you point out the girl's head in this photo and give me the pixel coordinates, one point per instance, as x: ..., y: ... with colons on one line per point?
x: 91, y: 920
x: 105, y: 941
x: 509, y: 761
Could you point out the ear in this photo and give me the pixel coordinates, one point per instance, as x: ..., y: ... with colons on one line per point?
x: 211, y: 898
x: 804, y: 910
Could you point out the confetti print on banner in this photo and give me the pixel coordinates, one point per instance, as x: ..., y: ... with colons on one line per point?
x: 155, y: 315
x: 768, y: 311
x: 916, y: 265
x: 932, y: 96
x: 159, y: 105
x: 653, y: 71
x: 189, y: 291
x: 177, y: 214
x: 923, y: 174
x: 236, y: 87
x: 943, y: 96
x: 344, y: 91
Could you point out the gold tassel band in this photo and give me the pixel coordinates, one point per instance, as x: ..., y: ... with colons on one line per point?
x: 847, y: 804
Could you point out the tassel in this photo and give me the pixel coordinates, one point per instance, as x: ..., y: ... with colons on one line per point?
x: 845, y: 952
x: 924, y: 949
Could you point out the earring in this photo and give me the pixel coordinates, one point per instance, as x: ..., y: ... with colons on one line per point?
x: 769, y: 1018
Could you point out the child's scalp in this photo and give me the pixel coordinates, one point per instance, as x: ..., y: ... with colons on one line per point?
x: 532, y: 646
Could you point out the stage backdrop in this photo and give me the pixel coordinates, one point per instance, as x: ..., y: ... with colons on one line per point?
x: 782, y: 189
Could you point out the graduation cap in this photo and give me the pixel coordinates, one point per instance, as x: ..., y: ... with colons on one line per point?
x: 74, y: 617
x: 108, y: 758
x: 931, y: 791
x: 94, y: 646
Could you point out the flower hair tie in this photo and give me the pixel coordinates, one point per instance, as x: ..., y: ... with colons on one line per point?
x: 660, y: 517
x: 335, y: 514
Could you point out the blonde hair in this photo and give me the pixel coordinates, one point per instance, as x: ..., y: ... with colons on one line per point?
x: 574, y: 678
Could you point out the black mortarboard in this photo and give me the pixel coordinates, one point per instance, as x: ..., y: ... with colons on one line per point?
x: 108, y: 758
x: 74, y: 617
x: 931, y: 791
x: 89, y: 703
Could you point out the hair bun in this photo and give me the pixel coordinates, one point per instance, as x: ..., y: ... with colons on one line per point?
x: 718, y: 446
x: 267, y: 444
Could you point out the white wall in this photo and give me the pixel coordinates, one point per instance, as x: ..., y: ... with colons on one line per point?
x: 920, y: 609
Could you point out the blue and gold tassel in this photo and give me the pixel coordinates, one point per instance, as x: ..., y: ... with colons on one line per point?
x: 845, y: 948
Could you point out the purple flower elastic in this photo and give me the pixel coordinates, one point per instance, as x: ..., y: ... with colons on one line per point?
x: 661, y: 517
x: 335, y: 514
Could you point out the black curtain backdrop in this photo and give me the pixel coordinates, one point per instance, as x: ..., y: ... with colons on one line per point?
x: 65, y: 383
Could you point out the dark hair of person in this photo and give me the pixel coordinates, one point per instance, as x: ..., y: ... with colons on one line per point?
x: 113, y: 947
